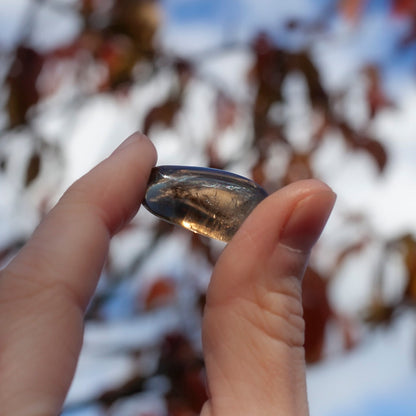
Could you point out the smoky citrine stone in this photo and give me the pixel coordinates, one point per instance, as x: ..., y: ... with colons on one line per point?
x: 207, y: 201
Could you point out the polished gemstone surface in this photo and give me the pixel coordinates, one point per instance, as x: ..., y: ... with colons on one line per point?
x: 210, y: 202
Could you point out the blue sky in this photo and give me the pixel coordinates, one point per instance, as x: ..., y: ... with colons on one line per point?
x: 193, y: 26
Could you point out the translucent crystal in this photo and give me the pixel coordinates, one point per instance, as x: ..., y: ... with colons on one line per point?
x: 210, y: 202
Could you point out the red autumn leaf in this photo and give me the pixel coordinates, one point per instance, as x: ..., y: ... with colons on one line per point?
x: 403, y: 7
x: 182, y: 365
x: 351, y: 10
x: 161, y: 292
x: 406, y: 9
x: 317, y: 312
x: 119, y: 57
x: 178, y: 407
x: 195, y: 389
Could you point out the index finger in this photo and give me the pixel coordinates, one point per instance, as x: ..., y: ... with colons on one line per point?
x: 44, y: 291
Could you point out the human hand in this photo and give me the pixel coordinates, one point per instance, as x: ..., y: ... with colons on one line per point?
x: 252, y: 325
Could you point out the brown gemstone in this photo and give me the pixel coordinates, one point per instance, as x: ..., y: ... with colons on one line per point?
x: 210, y: 202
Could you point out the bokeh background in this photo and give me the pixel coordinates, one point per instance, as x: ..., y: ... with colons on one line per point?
x: 273, y: 90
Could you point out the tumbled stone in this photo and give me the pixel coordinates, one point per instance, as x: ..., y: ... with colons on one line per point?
x: 207, y: 201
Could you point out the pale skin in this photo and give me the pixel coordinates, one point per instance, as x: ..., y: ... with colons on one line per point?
x: 253, y: 328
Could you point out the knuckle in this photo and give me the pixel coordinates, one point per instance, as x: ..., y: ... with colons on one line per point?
x: 36, y: 283
x: 282, y: 313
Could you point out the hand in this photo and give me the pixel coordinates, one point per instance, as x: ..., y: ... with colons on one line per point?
x: 252, y: 326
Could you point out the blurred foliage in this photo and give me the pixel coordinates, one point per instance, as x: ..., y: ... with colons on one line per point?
x: 116, y: 48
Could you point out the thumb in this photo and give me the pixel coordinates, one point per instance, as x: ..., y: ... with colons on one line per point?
x: 253, y: 329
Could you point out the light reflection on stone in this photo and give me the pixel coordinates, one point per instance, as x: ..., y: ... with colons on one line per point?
x: 210, y: 202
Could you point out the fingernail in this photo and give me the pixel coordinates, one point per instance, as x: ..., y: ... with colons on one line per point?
x: 135, y: 137
x: 307, y: 221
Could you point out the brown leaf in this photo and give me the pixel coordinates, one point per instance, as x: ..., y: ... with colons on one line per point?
x: 258, y: 171
x: 299, y: 168
x: 376, y: 98
x: 408, y: 248
x: 87, y: 7
x: 375, y: 149
x: 358, y: 141
x: 268, y: 73
x: 184, y: 70
x: 317, y: 95
x: 349, y: 250
x: 21, y: 80
x: 130, y: 387
x: 140, y: 20
x: 88, y: 41
x: 163, y: 114
x: 33, y: 168
x: 379, y: 312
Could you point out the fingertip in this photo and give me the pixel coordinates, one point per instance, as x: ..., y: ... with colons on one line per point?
x: 307, y: 219
x: 293, y: 216
x: 138, y: 139
x: 296, y: 191
x: 265, y: 224
x: 143, y: 140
